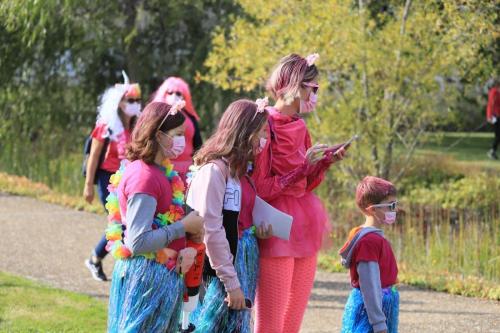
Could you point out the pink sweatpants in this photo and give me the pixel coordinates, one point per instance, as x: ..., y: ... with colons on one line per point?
x: 283, y: 290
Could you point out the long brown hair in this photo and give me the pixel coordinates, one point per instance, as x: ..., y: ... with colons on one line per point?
x: 144, y: 144
x: 234, y: 137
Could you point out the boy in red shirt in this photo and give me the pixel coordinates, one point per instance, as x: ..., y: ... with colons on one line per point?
x: 373, y: 305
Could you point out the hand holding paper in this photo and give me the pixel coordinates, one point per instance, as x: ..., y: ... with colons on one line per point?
x: 265, y: 231
x: 264, y: 213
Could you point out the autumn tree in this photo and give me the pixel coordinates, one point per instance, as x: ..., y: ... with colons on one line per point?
x: 388, y: 68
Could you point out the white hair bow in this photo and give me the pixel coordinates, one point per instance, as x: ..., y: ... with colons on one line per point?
x: 311, y: 59
x: 179, y: 105
x: 261, y: 104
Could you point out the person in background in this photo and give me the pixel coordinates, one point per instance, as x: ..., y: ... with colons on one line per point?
x: 172, y: 90
x: 493, y: 116
x: 118, y: 110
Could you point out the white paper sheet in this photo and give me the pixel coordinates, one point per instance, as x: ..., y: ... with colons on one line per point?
x: 267, y: 214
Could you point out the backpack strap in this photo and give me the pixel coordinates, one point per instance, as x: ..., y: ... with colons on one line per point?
x: 223, y: 166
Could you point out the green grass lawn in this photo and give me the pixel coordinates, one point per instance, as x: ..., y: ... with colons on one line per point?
x: 464, y: 147
x: 26, y: 306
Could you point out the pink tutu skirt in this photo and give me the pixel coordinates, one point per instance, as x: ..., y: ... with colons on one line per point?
x: 309, y: 227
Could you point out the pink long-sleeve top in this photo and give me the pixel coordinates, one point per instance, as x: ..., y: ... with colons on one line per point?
x: 211, y: 191
x: 285, y: 152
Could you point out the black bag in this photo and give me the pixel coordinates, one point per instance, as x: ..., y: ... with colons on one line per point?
x: 86, y: 153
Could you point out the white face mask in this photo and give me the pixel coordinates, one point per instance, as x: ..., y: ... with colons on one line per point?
x: 132, y: 109
x: 172, y: 99
x: 262, y: 144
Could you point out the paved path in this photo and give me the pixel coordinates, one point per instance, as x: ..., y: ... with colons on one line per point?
x: 49, y: 243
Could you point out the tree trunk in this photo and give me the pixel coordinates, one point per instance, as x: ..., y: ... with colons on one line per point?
x: 387, y: 162
x: 132, y: 58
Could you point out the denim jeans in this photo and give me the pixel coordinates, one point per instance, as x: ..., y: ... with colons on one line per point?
x: 102, y: 177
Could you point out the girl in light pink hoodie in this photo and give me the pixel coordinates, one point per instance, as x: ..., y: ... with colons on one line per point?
x: 224, y: 195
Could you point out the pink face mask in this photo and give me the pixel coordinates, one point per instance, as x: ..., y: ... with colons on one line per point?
x: 309, y: 105
x: 178, y: 145
x: 390, y: 217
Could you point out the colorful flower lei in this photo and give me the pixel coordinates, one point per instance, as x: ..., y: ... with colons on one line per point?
x: 116, y: 230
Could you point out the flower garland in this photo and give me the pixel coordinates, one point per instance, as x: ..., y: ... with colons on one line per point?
x: 116, y: 230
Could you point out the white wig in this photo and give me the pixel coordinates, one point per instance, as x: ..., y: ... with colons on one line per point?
x: 108, y: 108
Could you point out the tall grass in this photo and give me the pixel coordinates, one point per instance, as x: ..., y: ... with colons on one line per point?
x: 457, y: 245
x: 450, y: 250
x: 57, y: 167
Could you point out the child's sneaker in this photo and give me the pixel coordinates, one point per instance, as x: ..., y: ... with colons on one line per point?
x: 96, y: 270
x: 492, y: 154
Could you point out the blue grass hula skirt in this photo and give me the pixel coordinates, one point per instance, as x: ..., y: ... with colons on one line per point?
x: 145, y: 297
x: 355, y: 319
x: 213, y: 314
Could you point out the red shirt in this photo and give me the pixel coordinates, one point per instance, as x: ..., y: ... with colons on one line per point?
x: 245, y: 219
x: 116, y: 149
x: 374, y: 247
x: 493, y: 108
x: 184, y: 160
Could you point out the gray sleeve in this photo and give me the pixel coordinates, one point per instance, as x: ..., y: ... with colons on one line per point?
x: 141, y: 238
x: 369, y: 283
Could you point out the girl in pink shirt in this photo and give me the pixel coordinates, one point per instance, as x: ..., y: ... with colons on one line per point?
x: 223, y: 193
x: 147, y: 228
x: 118, y: 111
x: 286, y: 172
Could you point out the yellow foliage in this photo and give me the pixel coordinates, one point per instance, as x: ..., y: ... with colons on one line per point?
x: 381, y: 75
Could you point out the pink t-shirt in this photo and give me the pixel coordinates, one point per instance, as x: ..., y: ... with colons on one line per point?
x: 116, y: 149
x: 149, y: 179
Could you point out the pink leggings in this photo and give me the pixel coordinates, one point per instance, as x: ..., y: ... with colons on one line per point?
x: 283, y: 290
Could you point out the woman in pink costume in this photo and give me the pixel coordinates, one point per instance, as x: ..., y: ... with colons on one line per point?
x: 286, y: 172
x: 172, y: 90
